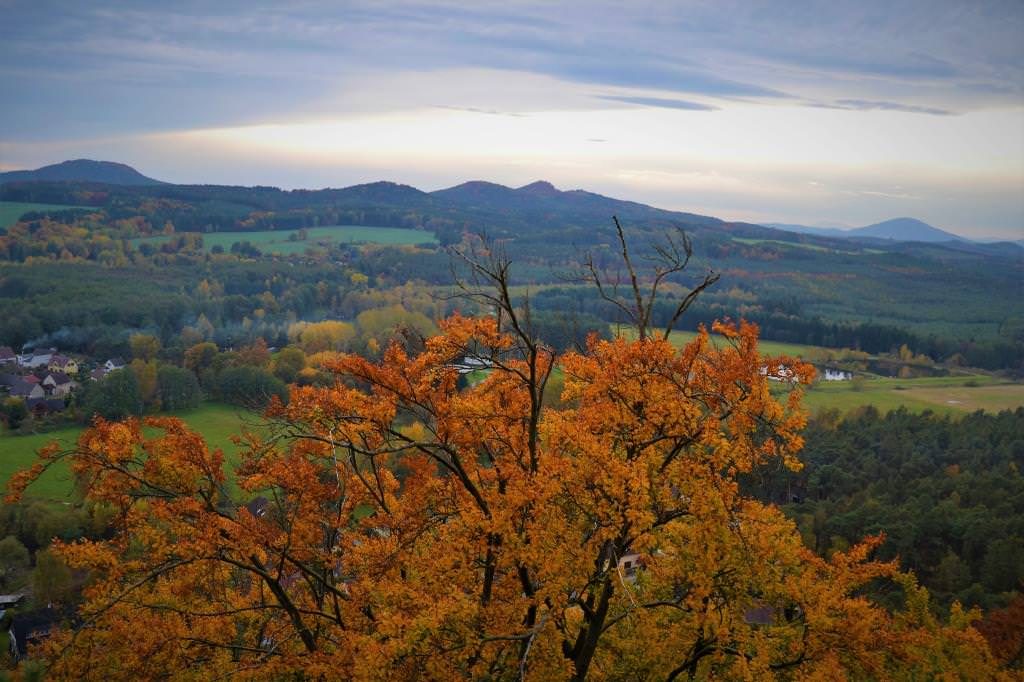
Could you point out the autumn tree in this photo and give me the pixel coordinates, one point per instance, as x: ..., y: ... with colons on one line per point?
x: 144, y: 346
x: 402, y: 527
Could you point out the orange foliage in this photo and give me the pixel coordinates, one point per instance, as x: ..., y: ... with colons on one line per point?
x: 413, y: 529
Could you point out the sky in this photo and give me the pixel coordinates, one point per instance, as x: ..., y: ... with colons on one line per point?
x: 818, y: 113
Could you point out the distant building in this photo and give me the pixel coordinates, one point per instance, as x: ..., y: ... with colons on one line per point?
x: 113, y: 363
x: 470, y: 364
x: 837, y: 375
x: 39, y: 357
x: 20, y: 388
x: 629, y: 564
x: 8, y: 356
x: 58, y: 384
x: 40, y: 407
x: 62, y: 363
x: 783, y: 373
x: 30, y: 628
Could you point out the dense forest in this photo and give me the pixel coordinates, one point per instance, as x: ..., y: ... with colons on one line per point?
x: 947, y: 493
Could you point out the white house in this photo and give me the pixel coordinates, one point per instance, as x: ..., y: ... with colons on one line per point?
x: 471, y: 364
x: 37, y: 358
x: 837, y: 375
x: 113, y: 363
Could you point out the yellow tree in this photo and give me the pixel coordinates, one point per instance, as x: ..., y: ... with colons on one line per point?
x: 402, y: 527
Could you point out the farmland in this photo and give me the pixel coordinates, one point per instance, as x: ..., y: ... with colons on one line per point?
x: 944, y: 395
x: 11, y: 211
x: 958, y: 394
x: 287, y: 242
x: 217, y: 422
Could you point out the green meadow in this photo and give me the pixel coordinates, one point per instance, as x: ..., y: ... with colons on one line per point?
x: 945, y: 395
x: 681, y: 338
x: 216, y: 421
x: 11, y: 211
x: 279, y: 242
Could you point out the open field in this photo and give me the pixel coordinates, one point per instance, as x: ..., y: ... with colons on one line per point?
x: 216, y: 421
x: 798, y: 245
x: 681, y: 338
x: 945, y: 395
x: 802, y: 245
x: 277, y: 241
x: 10, y: 211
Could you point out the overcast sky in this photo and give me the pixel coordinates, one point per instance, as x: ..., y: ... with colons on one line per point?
x: 818, y: 113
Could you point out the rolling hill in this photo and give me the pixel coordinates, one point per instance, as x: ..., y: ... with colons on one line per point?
x: 895, y: 229
x: 81, y: 170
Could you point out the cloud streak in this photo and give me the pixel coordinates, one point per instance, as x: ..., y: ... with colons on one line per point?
x: 867, y: 105
x: 661, y: 102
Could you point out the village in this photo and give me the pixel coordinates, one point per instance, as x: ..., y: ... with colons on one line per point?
x: 45, y: 379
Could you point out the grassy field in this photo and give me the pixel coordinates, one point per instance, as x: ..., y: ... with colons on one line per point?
x: 10, y: 211
x: 216, y: 421
x: 798, y: 245
x: 277, y: 242
x: 945, y: 395
x: 948, y: 395
x: 802, y: 245
x: 681, y: 338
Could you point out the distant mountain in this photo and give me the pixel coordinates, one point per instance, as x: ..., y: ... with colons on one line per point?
x: 897, y: 229
x: 82, y: 170
x: 905, y: 229
x: 542, y: 200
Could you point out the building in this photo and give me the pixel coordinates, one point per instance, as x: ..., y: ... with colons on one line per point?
x: 62, y: 363
x: 40, y: 357
x: 8, y: 356
x: 836, y: 375
x: 31, y: 627
x: 113, y: 363
x: 20, y: 388
x: 58, y: 384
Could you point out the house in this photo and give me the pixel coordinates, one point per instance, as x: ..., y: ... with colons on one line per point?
x: 628, y: 565
x: 837, y: 375
x: 10, y: 600
x: 26, y: 389
x: 470, y: 364
x: 58, y: 384
x: 38, y: 358
x: 113, y: 363
x: 62, y: 363
x: 783, y: 373
x: 8, y: 356
x: 99, y: 373
x: 30, y: 628
x: 40, y: 407
x: 258, y: 506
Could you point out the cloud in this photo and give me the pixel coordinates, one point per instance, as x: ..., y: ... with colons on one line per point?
x: 476, y: 110
x: 661, y: 102
x: 867, y: 105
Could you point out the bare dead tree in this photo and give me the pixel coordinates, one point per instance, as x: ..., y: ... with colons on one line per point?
x: 488, y: 283
x: 670, y: 257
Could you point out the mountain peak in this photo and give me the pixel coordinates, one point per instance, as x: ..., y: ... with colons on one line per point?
x: 540, y: 188
x: 905, y: 229
x: 82, y: 170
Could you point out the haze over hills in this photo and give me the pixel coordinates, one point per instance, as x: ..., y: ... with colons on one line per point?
x: 82, y: 170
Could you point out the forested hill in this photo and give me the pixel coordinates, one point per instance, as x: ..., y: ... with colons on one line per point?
x: 81, y: 170
x: 946, y: 294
